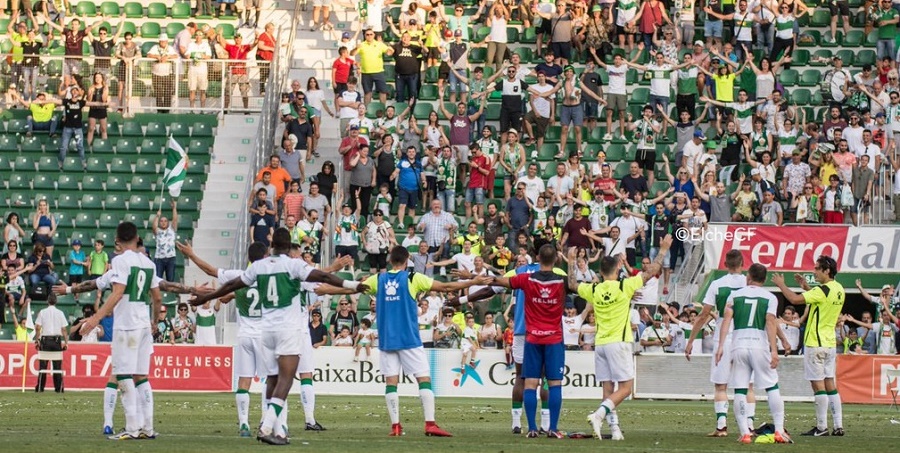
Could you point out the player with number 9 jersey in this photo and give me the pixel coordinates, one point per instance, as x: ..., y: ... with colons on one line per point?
x: 132, y: 343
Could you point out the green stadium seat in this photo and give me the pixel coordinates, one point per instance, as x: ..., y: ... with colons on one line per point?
x: 226, y: 30
x: 5, y: 166
x: 47, y: 163
x: 102, y: 146
x: 91, y: 182
x: 800, y: 96
x: 422, y: 110
x: 43, y: 182
x: 116, y: 183
x: 19, y: 181
x: 145, y: 165
x: 150, y: 30
x: 114, y: 202
x: 800, y: 57
x: 18, y: 200
x: 109, y: 9
x: 91, y: 201
x: 129, y: 27
x: 529, y: 36
x: 86, y: 219
x: 512, y: 34
x: 66, y: 201
x: 481, y: 34
x: 192, y: 184
x: 95, y: 164
x: 181, y: 10
x: 141, y: 183
x: 185, y: 222
x: 66, y: 182
x: 135, y: 218
x: 8, y: 143
x: 615, y: 152
x: 525, y: 54
x: 155, y: 129
x: 428, y: 93
x: 789, y: 77
x: 849, y: 57
x: 865, y: 57
x: 854, y: 38
x: 491, y: 112
x: 108, y: 220
x: 104, y: 236
x: 24, y: 163
x: 821, y: 57
x: 477, y: 55
x: 173, y: 28
x: 132, y: 128
x: 126, y: 146
x: 871, y: 39
x: 17, y: 126
x: 120, y: 165
x: 553, y: 134
x: 640, y: 96
x: 179, y: 130
x: 815, y: 38
x: 828, y: 40
x: 138, y: 202
x: 200, y: 129
x: 157, y: 10
x: 86, y: 9
x: 810, y: 78
x: 820, y: 18
x: 156, y: 145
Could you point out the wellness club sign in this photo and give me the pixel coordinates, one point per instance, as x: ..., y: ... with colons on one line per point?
x: 795, y: 248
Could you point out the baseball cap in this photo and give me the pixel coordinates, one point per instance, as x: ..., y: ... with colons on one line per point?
x: 512, y: 131
x: 596, y: 8
x: 674, y: 304
x: 879, y: 115
x: 837, y: 57
x: 354, y: 127
x: 412, y: 21
x: 569, y: 68
x: 345, y: 35
x: 163, y: 37
x: 885, y: 287
x: 699, y: 43
x: 754, y: 172
x: 448, y: 33
x: 711, y: 144
x: 699, y: 134
x: 76, y: 242
x: 796, y: 152
x: 657, y: 317
x: 457, y: 33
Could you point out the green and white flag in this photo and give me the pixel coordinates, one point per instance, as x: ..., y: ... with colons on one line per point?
x: 176, y: 168
x: 29, y: 322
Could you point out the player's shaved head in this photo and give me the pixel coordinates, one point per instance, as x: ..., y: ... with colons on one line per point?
x: 399, y: 256
x: 126, y: 232
x: 757, y: 273
x: 734, y: 261
x: 547, y: 255
x: 256, y: 251
x: 609, y: 266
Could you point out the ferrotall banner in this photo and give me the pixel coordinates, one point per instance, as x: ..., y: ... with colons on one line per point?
x: 868, y: 379
x: 337, y: 374
x: 794, y: 248
x: 88, y: 365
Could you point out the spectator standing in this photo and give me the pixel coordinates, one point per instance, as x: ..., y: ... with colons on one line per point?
x: 44, y: 224
x: 341, y: 70
x: 73, y: 41
x: 446, y: 178
x: 72, y: 126
x: 76, y: 259
x: 371, y: 64
x: 497, y: 38
x: 237, y: 72
x: 98, y: 100
x: 461, y: 131
x: 198, y: 74
x: 164, y: 230
x: 293, y: 160
x: 51, y: 335
x: 542, y: 111
x: 362, y: 179
x: 280, y: 177
x: 262, y: 218
x: 410, y: 177
x: 436, y: 226
x: 162, y: 77
x: 408, y: 64
x: 103, y: 46
x: 265, y: 53
x: 348, y: 101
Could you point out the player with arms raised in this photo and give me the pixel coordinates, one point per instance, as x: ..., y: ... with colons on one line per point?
x: 278, y: 279
x: 825, y: 304
x: 753, y: 311
x: 613, y: 361
x: 396, y: 314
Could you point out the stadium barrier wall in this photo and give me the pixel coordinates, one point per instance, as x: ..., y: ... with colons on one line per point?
x: 865, y: 379
x: 88, y: 366
x: 794, y: 248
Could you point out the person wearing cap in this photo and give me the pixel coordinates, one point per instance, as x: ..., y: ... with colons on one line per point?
x: 458, y: 52
x: 41, y: 117
x: 371, y: 65
x: 770, y: 211
x: 794, y: 176
x: 839, y: 85
x: 659, y: 71
x: 198, y: 75
x: 162, y: 77
x: 512, y: 92
x: 237, y: 72
x: 692, y: 152
x: 459, y: 21
x: 76, y: 259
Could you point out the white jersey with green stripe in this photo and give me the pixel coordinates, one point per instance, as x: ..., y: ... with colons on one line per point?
x: 138, y: 274
x: 278, y: 279
x: 247, y: 304
x: 750, y: 305
x: 719, y: 290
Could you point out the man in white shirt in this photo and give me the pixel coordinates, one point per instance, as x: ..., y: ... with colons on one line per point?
x: 616, y: 93
x: 50, y: 335
x: 692, y: 151
x: 870, y: 149
x: 840, y: 80
x: 558, y: 187
x: 542, y: 110
x: 161, y: 77
x: 464, y: 260
x: 571, y: 327
x: 853, y: 133
x: 655, y: 337
x: 534, y: 185
x: 630, y: 228
x: 198, y: 76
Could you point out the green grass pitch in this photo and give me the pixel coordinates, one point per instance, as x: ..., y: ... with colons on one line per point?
x: 207, y: 423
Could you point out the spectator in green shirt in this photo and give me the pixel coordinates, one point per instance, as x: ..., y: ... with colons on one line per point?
x: 886, y: 19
